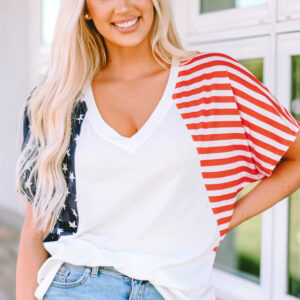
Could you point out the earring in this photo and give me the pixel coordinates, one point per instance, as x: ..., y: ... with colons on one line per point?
x: 86, y: 15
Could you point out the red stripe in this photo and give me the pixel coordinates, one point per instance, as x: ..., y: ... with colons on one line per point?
x: 217, y: 210
x: 214, y: 124
x: 225, y: 161
x: 205, y: 76
x: 203, y: 88
x: 219, y: 136
x: 198, y: 67
x: 222, y: 197
x: 205, y: 100
x: 228, y: 184
x: 230, y: 172
x: 221, y: 149
x: 225, y: 196
x: 210, y: 112
x: 223, y: 232
x: 224, y: 220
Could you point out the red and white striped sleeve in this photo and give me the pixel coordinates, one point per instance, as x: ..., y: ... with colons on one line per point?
x: 269, y: 127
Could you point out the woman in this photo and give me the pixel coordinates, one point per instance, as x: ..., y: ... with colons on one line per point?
x: 164, y: 138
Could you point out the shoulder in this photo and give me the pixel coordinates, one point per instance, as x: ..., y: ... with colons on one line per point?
x: 207, y: 66
x: 214, y: 66
x: 210, y: 63
x: 213, y: 58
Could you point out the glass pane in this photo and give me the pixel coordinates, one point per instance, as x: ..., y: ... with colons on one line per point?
x: 216, y: 5
x: 50, y: 10
x: 294, y: 201
x: 239, y: 252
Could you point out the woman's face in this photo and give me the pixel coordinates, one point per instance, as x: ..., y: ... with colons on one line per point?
x: 125, y: 23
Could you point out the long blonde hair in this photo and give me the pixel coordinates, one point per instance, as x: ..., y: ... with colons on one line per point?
x: 78, y: 52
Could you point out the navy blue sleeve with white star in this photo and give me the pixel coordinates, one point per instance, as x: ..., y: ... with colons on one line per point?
x: 68, y: 219
x: 67, y: 222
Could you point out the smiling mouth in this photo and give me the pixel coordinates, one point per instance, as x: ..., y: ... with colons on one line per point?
x: 127, y: 24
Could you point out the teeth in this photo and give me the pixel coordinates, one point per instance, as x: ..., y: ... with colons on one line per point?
x: 126, y: 24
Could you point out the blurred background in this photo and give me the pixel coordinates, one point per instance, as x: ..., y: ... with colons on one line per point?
x: 260, y: 259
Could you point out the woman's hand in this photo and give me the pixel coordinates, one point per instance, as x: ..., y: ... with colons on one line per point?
x: 284, y: 180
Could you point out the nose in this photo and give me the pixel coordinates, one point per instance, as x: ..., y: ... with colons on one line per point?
x: 122, y: 6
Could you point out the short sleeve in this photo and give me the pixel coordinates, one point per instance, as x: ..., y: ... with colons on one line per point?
x: 269, y: 127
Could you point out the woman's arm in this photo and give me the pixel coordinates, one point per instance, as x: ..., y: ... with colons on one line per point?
x: 31, y: 256
x: 284, y: 180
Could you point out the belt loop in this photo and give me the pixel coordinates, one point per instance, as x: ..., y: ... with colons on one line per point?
x: 95, y: 271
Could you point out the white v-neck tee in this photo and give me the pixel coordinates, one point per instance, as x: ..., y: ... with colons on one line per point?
x: 142, y: 204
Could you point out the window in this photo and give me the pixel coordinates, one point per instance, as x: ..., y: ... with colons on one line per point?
x: 239, y: 253
x: 215, y: 5
x: 293, y: 286
x: 210, y: 17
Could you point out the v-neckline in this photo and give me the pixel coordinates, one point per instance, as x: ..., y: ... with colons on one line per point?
x: 131, y: 143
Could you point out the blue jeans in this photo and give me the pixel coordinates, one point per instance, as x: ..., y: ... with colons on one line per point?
x: 73, y: 282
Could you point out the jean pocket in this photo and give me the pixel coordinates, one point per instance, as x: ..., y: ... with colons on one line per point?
x: 70, y: 276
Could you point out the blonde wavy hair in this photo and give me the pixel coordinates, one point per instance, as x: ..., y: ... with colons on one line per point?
x: 78, y: 52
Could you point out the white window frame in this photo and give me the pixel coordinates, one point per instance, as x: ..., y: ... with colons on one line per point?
x: 288, y: 10
x: 277, y: 16
x: 287, y: 46
x: 234, y: 18
x: 230, y: 286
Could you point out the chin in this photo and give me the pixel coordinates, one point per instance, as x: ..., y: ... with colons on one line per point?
x: 128, y: 42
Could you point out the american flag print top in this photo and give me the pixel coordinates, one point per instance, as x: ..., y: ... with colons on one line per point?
x: 240, y: 132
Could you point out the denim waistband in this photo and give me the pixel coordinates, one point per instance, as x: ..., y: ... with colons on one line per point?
x: 95, y: 269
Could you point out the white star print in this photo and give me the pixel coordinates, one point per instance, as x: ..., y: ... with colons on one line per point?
x: 64, y: 206
x: 68, y: 192
x: 80, y: 118
x: 72, y: 224
x: 28, y: 184
x: 72, y: 177
x: 59, y: 231
x: 76, y: 138
x: 74, y: 212
x: 65, y: 168
x: 68, y: 152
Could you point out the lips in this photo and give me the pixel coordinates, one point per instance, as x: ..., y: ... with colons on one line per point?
x: 125, y: 20
x: 127, y: 27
